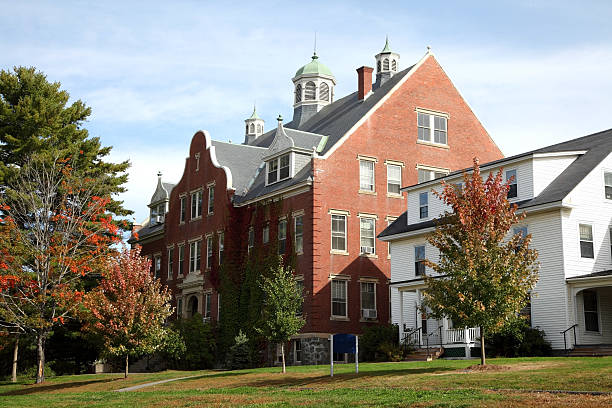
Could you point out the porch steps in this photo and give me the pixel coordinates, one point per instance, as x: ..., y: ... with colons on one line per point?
x: 420, y: 354
x: 598, y: 350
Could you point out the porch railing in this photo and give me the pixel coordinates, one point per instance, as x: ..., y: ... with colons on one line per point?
x: 463, y: 335
x: 564, y: 332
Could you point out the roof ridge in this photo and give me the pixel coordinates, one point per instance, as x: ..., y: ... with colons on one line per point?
x: 238, y: 144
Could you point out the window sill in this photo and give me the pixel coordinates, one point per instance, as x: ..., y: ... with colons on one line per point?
x: 210, y: 214
x: 362, y: 320
x: 195, y: 218
x: 334, y: 252
x: 393, y: 195
x: 433, y: 144
x: 339, y: 318
x: 367, y: 192
x: 369, y: 256
x: 181, y: 223
x: 592, y: 333
x: 300, y: 253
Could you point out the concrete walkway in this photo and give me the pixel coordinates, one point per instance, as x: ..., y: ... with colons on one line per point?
x: 137, y: 387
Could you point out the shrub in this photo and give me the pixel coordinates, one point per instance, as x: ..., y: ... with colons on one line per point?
x: 518, y: 339
x: 238, y: 356
x: 200, y: 345
x: 376, y: 342
x: 30, y: 372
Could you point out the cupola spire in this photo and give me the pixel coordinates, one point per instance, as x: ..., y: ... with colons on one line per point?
x: 254, y: 127
x: 387, y: 63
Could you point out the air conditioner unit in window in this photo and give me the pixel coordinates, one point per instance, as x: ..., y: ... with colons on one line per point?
x: 369, y: 313
x: 159, y: 219
x: 367, y: 250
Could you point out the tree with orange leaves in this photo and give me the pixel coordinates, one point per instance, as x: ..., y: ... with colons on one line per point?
x: 54, y: 231
x: 129, y: 307
x: 483, y: 278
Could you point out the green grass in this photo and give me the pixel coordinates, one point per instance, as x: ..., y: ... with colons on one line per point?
x: 437, y: 383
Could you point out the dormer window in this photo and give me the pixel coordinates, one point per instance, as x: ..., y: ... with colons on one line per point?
x: 158, y: 213
x: 278, y: 169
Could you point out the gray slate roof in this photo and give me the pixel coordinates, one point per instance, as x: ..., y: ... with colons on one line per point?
x: 242, y: 160
x: 597, y: 146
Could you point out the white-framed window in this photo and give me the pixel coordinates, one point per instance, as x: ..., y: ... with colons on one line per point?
x: 390, y: 220
x: 221, y: 247
x: 196, y: 204
x: 520, y: 229
x: 394, y: 178
x: 324, y: 92
x: 368, y: 300
x: 591, y: 312
x: 183, y: 211
x: 298, y: 93
x: 338, y: 232
x: 608, y: 184
x: 207, y: 305
x: 279, y: 168
x: 419, y: 257
x: 170, y: 263
x: 265, y: 235
x: 310, y: 91
x: 181, y: 260
x: 195, y: 253
x: 423, y: 205
x: 300, y: 285
x: 211, y: 199
x: 158, y: 214
x: 209, y: 252
x: 157, y: 265
x: 432, y: 128
x: 298, y: 223
x: 386, y: 64
x: 430, y: 173
x: 339, y: 297
x: 251, y: 241
x: 586, y: 241
x: 297, y: 350
x: 366, y: 175
x: 513, y: 187
x: 367, y: 232
x: 282, y: 236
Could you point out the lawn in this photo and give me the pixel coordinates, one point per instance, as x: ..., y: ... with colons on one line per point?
x: 438, y: 383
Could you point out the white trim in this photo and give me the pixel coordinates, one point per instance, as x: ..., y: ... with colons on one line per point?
x: 394, y: 162
x: 367, y: 215
x: 433, y: 168
x: 297, y: 213
x: 284, y: 193
x: 368, y: 158
x: 211, y: 183
x: 214, y: 160
x: 432, y: 112
x: 339, y: 212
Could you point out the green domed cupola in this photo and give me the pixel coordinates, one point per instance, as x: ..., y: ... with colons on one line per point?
x: 313, y: 89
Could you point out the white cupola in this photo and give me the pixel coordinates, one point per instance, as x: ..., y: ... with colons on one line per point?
x: 387, y: 63
x: 313, y: 86
x: 254, y: 127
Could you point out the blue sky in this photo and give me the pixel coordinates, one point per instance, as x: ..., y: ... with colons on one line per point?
x: 535, y: 73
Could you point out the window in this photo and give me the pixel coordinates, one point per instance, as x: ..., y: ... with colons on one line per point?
x: 430, y: 174
x: 426, y: 122
x: 221, y: 247
x: 394, y: 65
x: 338, y: 232
x: 324, y: 92
x: 209, y: 252
x: 394, y: 178
x: 282, y: 236
x: 608, y: 184
x: 251, y: 242
x: 378, y: 66
x: 252, y: 128
x: 300, y: 285
x: 259, y: 128
x: 207, y: 305
x: 367, y: 232
x: 591, y: 315
x: 157, y: 266
x: 339, y: 300
x: 196, y: 204
x: 297, y: 350
x: 586, y: 241
x: 266, y: 234
x: 181, y: 260
x: 211, y: 199
x: 368, y: 300
x: 386, y: 64
x: 195, y: 252
x: 170, y: 263
x: 278, y: 169
x: 183, y: 209
x: 158, y: 213
x: 511, y: 178
x: 520, y: 230
x: 366, y: 175
x: 310, y: 91
x: 423, y: 205
x: 419, y: 257
x: 390, y: 221
x: 298, y: 93
x: 299, y: 234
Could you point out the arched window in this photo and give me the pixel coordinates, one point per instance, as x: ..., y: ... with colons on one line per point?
x: 394, y: 65
x: 258, y: 128
x: 252, y: 128
x: 378, y: 66
x: 310, y: 91
x: 386, y: 64
x: 298, y: 93
x: 324, y: 92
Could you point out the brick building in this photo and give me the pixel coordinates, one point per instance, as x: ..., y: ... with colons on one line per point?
x: 335, y: 172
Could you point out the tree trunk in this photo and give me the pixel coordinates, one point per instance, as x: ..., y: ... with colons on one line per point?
x: 483, y: 359
x: 40, y: 372
x: 127, y: 364
x: 283, y: 355
x: 15, y: 355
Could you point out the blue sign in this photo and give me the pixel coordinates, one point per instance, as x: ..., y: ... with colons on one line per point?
x: 344, y: 343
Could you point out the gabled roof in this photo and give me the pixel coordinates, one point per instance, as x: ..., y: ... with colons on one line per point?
x: 597, y: 147
x: 243, y: 161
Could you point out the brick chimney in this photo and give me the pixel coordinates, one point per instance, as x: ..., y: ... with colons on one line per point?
x: 364, y: 81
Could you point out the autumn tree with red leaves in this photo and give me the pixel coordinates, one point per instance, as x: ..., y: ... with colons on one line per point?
x: 486, y: 278
x: 129, y: 307
x: 54, y: 231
